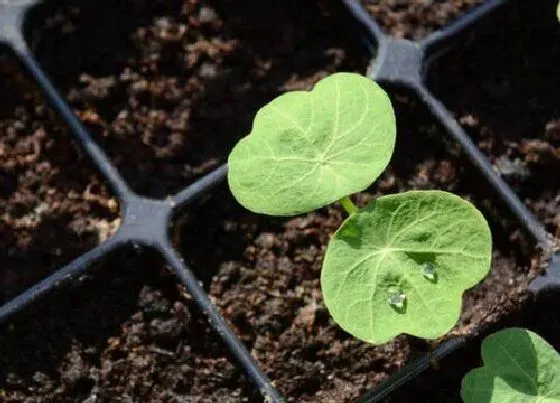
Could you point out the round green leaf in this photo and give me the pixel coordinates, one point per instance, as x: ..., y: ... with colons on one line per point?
x: 519, y: 366
x: 402, y: 263
x: 309, y: 149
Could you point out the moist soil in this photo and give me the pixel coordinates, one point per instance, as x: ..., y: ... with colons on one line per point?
x: 129, y: 335
x: 161, y: 69
x: 167, y: 87
x: 53, y: 206
x: 501, y: 84
x: 416, y: 19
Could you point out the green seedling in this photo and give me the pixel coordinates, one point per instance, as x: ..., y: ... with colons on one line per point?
x: 519, y: 366
x: 398, y: 265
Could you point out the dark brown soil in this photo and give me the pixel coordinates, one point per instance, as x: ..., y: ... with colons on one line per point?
x: 52, y: 205
x: 502, y: 85
x: 167, y: 87
x: 415, y: 19
x: 129, y: 335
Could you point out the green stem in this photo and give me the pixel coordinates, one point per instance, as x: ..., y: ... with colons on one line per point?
x: 348, y: 205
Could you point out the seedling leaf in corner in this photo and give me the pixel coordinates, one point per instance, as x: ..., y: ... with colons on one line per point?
x: 310, y: 149
x: 519, y: 366
x: 402, y: 263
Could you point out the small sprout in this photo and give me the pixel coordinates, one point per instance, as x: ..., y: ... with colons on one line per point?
x: 519, y: 366
x: 429, y: 270
x: 396, y: 297
x: 308, y: 149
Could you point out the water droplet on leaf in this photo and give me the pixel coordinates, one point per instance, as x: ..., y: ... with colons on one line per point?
x: 396, y: 298
x: 429, y: 271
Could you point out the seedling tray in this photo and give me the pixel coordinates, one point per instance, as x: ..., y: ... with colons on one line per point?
x: 147, y: 222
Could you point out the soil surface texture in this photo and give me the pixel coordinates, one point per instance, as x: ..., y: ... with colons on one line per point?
x: 501, y: 83
x: 167, y: 87
x: 53, y: 207
x: 128, y: 335
x: 416, y: 19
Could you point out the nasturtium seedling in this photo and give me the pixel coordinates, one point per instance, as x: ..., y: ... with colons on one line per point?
x: 399, y: 264
x: 519, y: 366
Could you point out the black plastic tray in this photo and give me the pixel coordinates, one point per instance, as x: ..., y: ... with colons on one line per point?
x: 146, y: 222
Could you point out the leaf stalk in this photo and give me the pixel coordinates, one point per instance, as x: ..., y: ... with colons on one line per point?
x: 348, y: 205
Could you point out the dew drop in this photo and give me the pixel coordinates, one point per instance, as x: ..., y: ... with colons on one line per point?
x: 429, y: 271
x: 396, y: 298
